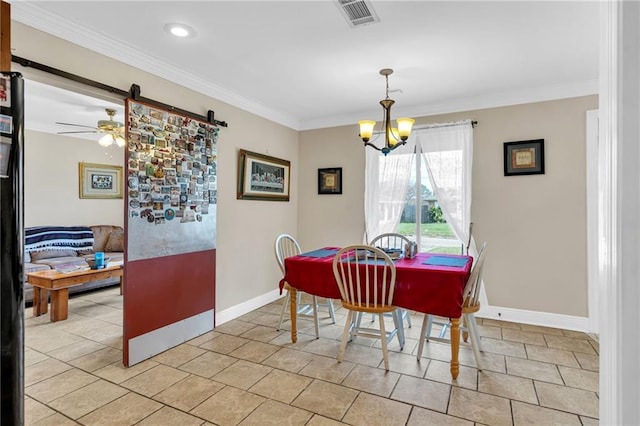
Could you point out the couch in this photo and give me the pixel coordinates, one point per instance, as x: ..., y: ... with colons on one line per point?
x: 47, y: 247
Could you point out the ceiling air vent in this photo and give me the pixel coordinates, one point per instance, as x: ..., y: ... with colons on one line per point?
x: 357, y: 12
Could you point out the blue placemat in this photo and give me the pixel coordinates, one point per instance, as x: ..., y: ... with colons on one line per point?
x: 458, y: 262
x: 319, y: 253
x: 372, y: 261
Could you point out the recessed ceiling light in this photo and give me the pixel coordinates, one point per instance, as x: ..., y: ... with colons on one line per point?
x: 180, y: 30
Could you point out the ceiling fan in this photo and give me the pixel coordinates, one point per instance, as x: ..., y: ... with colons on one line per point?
x: 113, y: 130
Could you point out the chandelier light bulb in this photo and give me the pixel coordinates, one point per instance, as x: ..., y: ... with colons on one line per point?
x: 404, y: 127
x: 366, y: 129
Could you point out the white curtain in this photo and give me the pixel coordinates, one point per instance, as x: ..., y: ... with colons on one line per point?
x: 385, y: 188
x: 447, y: 150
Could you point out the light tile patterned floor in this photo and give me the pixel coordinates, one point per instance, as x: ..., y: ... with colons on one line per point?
x: 246, y: 372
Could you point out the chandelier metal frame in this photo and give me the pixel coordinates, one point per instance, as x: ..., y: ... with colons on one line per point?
x: 394, y: 137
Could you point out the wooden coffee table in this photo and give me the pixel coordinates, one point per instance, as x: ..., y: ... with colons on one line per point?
x: 58, y: 284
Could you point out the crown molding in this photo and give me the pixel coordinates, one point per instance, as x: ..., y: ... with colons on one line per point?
x: 516, y: 97
x: 34, y: 16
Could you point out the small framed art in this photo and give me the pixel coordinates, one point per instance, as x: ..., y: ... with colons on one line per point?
x: 100, y: 180
x: 330, y: 180
x: 261, y: 177
x: 524, y: 157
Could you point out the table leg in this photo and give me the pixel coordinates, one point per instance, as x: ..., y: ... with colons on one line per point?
x: 59, y: 304
x: 293, y: 297
x: 455, y: 346
x: 40, y: 301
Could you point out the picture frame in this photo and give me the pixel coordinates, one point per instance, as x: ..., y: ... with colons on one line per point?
x: 100, y: 180
x: 262, y: 177
x: 524, y: 157
x: 330, y: 180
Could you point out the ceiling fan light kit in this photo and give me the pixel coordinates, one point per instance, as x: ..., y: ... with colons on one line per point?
x: 110, y: 138
x: 112, y: 129
x: 394, y: 136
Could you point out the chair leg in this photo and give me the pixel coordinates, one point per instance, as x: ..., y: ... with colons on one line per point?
x: 397, y: 321
x: 383, y: 338
x: 405, y: 315
x: 443, y: 331
x: 285, y: 305
x: 429, y: 319
x: 474, y: 326
x: 315, y: 316
x: 474, y: 346
x: 332, y: 312
x: 423, y: 334
x: 357, y: 318
x: 345, y: 335
x: 465, y: 329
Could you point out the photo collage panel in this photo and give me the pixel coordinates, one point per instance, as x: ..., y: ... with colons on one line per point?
x: 171, y: 166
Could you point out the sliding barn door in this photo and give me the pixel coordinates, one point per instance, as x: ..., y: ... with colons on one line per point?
x: 170, y: 228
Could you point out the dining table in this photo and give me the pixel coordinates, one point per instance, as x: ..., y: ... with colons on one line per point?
x: 430, y: 283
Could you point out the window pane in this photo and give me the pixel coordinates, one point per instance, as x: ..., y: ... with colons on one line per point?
x: 435, y: 234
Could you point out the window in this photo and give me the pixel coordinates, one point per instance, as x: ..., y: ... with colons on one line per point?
x: 427, y: 222
x: 423, y: 189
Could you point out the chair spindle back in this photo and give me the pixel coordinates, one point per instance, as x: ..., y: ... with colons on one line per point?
x: 285, y: 246
x: 366, y: 277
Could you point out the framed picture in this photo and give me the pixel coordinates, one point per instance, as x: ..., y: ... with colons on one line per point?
x: 330, y: 181
x: 100, y: 180
x: 261, y: 177
x: 524, y: 157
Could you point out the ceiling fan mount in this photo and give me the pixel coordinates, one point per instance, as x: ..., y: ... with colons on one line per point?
x: 110, y: 125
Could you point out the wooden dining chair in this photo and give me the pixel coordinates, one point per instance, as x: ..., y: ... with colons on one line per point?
x: 470, y: 305
x: 394, y: 241
x: 286, y: 246
x: 366, y: 277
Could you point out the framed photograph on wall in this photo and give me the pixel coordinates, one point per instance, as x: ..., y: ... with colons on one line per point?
x: 524, y: 157
x: 261, y: 177
x: 100, y: 180
x: 330, y: 180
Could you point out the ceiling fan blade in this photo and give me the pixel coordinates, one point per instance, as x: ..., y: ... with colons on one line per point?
x: 77, y: 125
x: 79, y: 131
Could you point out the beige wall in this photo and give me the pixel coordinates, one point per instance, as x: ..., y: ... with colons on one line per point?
x: 535, y: 225
x: 51, y: 195
x: 246, y: 266
x: 334, y: 220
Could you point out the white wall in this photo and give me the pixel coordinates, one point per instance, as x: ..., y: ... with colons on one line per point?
x: 51, y: 184
x: 535, y: 225
x: 246, y: 266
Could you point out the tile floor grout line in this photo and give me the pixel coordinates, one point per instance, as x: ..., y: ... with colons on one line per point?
x: 315, y: 352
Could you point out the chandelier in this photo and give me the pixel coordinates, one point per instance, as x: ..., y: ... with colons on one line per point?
x: 393, y: 136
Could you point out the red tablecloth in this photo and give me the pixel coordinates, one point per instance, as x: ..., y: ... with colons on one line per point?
x: 424, y: 288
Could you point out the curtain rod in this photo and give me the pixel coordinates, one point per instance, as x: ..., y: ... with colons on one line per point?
x: 437, y: 125
x: 134, y: 91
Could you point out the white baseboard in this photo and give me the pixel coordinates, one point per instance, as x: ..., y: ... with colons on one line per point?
x: 545, y: 319
x: 246, y: 307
